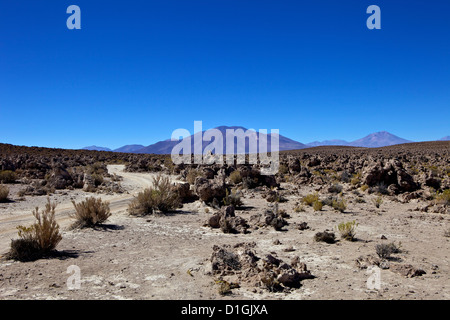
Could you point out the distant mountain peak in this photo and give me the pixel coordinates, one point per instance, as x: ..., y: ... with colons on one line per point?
x: 166, y: 146
x: 378, y: 139
x: 130, y: 148
x: 97, y: 148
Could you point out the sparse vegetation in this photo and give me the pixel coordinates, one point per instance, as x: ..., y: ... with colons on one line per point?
x: 39, y: 239
x: 339, y: 205
x: 235, y: 177
x: 443, y: 197
x: 356, y: 179
x: 8, y: 176
x: 98, y: 179
x: 275, y: 196
x: 384, y: 251
x: 347, y: 230
x: 4, y: 192
x: 377, y: 201
x: 317, y: 206
x: 160, y: 197
x: 192, y: 175
x: 328, y: 237
x: 310, y: 199
x: 335, y: 188
x: 233, y: 198
x: 364, y: 187
x: 283, y: 170
x: 379, y: 188
x: 360, y: 200
x: 225, y: 287
x: 97, y: 168
x: 90, y: 212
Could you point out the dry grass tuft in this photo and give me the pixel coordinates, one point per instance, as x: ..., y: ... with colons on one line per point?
x: 90, y: 212
x: 39, y: 239
x: 4, y: 192
x: 160, y: 197
x: 347, y: 230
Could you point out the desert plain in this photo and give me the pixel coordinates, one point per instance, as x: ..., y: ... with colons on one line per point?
x: 263, y: 246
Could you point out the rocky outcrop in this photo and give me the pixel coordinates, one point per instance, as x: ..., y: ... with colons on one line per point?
x: 392, y: 173
x: 207, y: 189
x: 59, y: 178
x: 227, y: 221
x: 240, y: 262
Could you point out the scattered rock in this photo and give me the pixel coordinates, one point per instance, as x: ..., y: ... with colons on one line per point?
x: 406, y: 270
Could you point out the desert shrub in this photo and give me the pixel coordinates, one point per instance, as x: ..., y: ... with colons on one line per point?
x: 90, y: 212
x: 317, y: 206
x: 328, y: 201
x: 225, y: 287
x: 97, y: 168
x: 8, y: 176
x: 347, y: 230
x: 275, y: 196
x: 4, y: 192
x: 98, y: 179
x: 38, y: 239
x: 46, y: 229
x: 335, y: 188
x: 356, y: 179
x: 328, y: 237
x: 364, y: 187
x: 310, y: 199
x: 249, y: 182
x: 360, y: 200
x: 283, y: 169
x: 443, y: 197
x: 380, y: 188
x: 345, y: 177
x: 233, y: 198
x: 339, y: 205
x: 384, y: 251
x: 377, y: 201
x: 192, y: 175
x: 160, y: 197
x: 24, y: 250
x: 235, y: 177
x: 168, y: 163
x: 299, y: 208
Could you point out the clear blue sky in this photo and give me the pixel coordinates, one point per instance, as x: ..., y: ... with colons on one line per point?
x: 137, y: 70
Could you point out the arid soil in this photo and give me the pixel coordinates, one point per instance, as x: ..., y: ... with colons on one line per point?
x: 169, y: 256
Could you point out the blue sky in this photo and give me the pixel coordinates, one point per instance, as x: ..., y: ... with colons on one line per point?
x: 137, y: 70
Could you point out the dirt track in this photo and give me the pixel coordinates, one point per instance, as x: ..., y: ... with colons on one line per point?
x: 19, y: 212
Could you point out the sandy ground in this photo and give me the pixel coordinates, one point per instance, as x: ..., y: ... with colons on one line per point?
x: 167, y: 257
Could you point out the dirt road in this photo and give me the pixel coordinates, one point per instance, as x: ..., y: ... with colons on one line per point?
x: 20, y: 212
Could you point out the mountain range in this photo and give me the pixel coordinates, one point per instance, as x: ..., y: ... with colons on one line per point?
x: 373, y: 140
